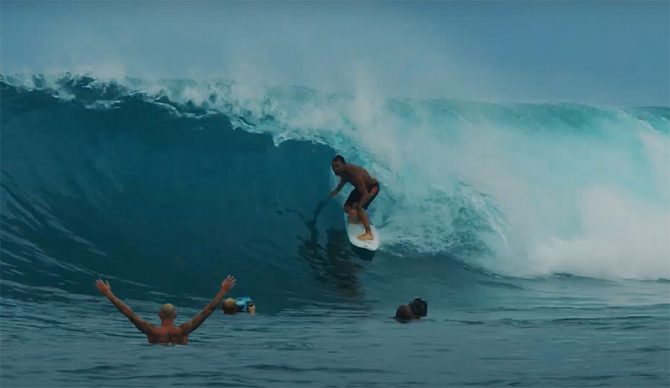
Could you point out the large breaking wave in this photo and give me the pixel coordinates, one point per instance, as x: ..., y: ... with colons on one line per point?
x: 155, y: 182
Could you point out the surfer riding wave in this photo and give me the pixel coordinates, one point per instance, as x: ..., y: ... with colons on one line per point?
x: 365, y: 191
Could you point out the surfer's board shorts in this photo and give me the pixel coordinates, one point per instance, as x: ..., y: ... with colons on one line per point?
x: 356, y: 196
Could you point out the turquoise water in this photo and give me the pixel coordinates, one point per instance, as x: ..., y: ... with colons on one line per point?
x: 554, y: 332
x: 537, y: 233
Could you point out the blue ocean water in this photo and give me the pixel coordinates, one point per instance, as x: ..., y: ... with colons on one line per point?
x: 538, y: 233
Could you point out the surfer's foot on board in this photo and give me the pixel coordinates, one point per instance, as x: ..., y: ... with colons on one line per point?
x: 367, y: 236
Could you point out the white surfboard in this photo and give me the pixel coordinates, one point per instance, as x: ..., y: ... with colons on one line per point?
x: 353, y: 230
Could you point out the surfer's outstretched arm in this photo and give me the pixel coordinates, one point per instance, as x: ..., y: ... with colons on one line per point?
x: 194, y: 323
x: 106, y: 289
x: 338, y: 188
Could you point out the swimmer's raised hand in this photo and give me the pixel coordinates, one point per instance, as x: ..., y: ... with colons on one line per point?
x: 103, y: 286
x: 228, y: 283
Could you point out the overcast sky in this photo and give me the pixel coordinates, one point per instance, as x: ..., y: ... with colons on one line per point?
x: 604, y: 52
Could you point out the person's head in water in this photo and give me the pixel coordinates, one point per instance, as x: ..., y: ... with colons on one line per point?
x: 229, y: 306
x: 338, y: 164
x: 415, y: 309
x: 251, y: 308
x: 404, y: 313
x: 167, y: 313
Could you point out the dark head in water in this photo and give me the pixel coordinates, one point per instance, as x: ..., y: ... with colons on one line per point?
x: 419, y: 307
x: 415, y: 309
x: 404, y: 313
x: 338, y: 164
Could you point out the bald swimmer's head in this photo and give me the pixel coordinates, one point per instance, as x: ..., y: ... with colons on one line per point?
x: 168, y: 312
x: 229, y: 306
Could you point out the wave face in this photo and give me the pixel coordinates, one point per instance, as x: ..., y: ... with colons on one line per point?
x: 172, y: 183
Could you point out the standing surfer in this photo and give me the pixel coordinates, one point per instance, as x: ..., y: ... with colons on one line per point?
x: 365, y: 191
